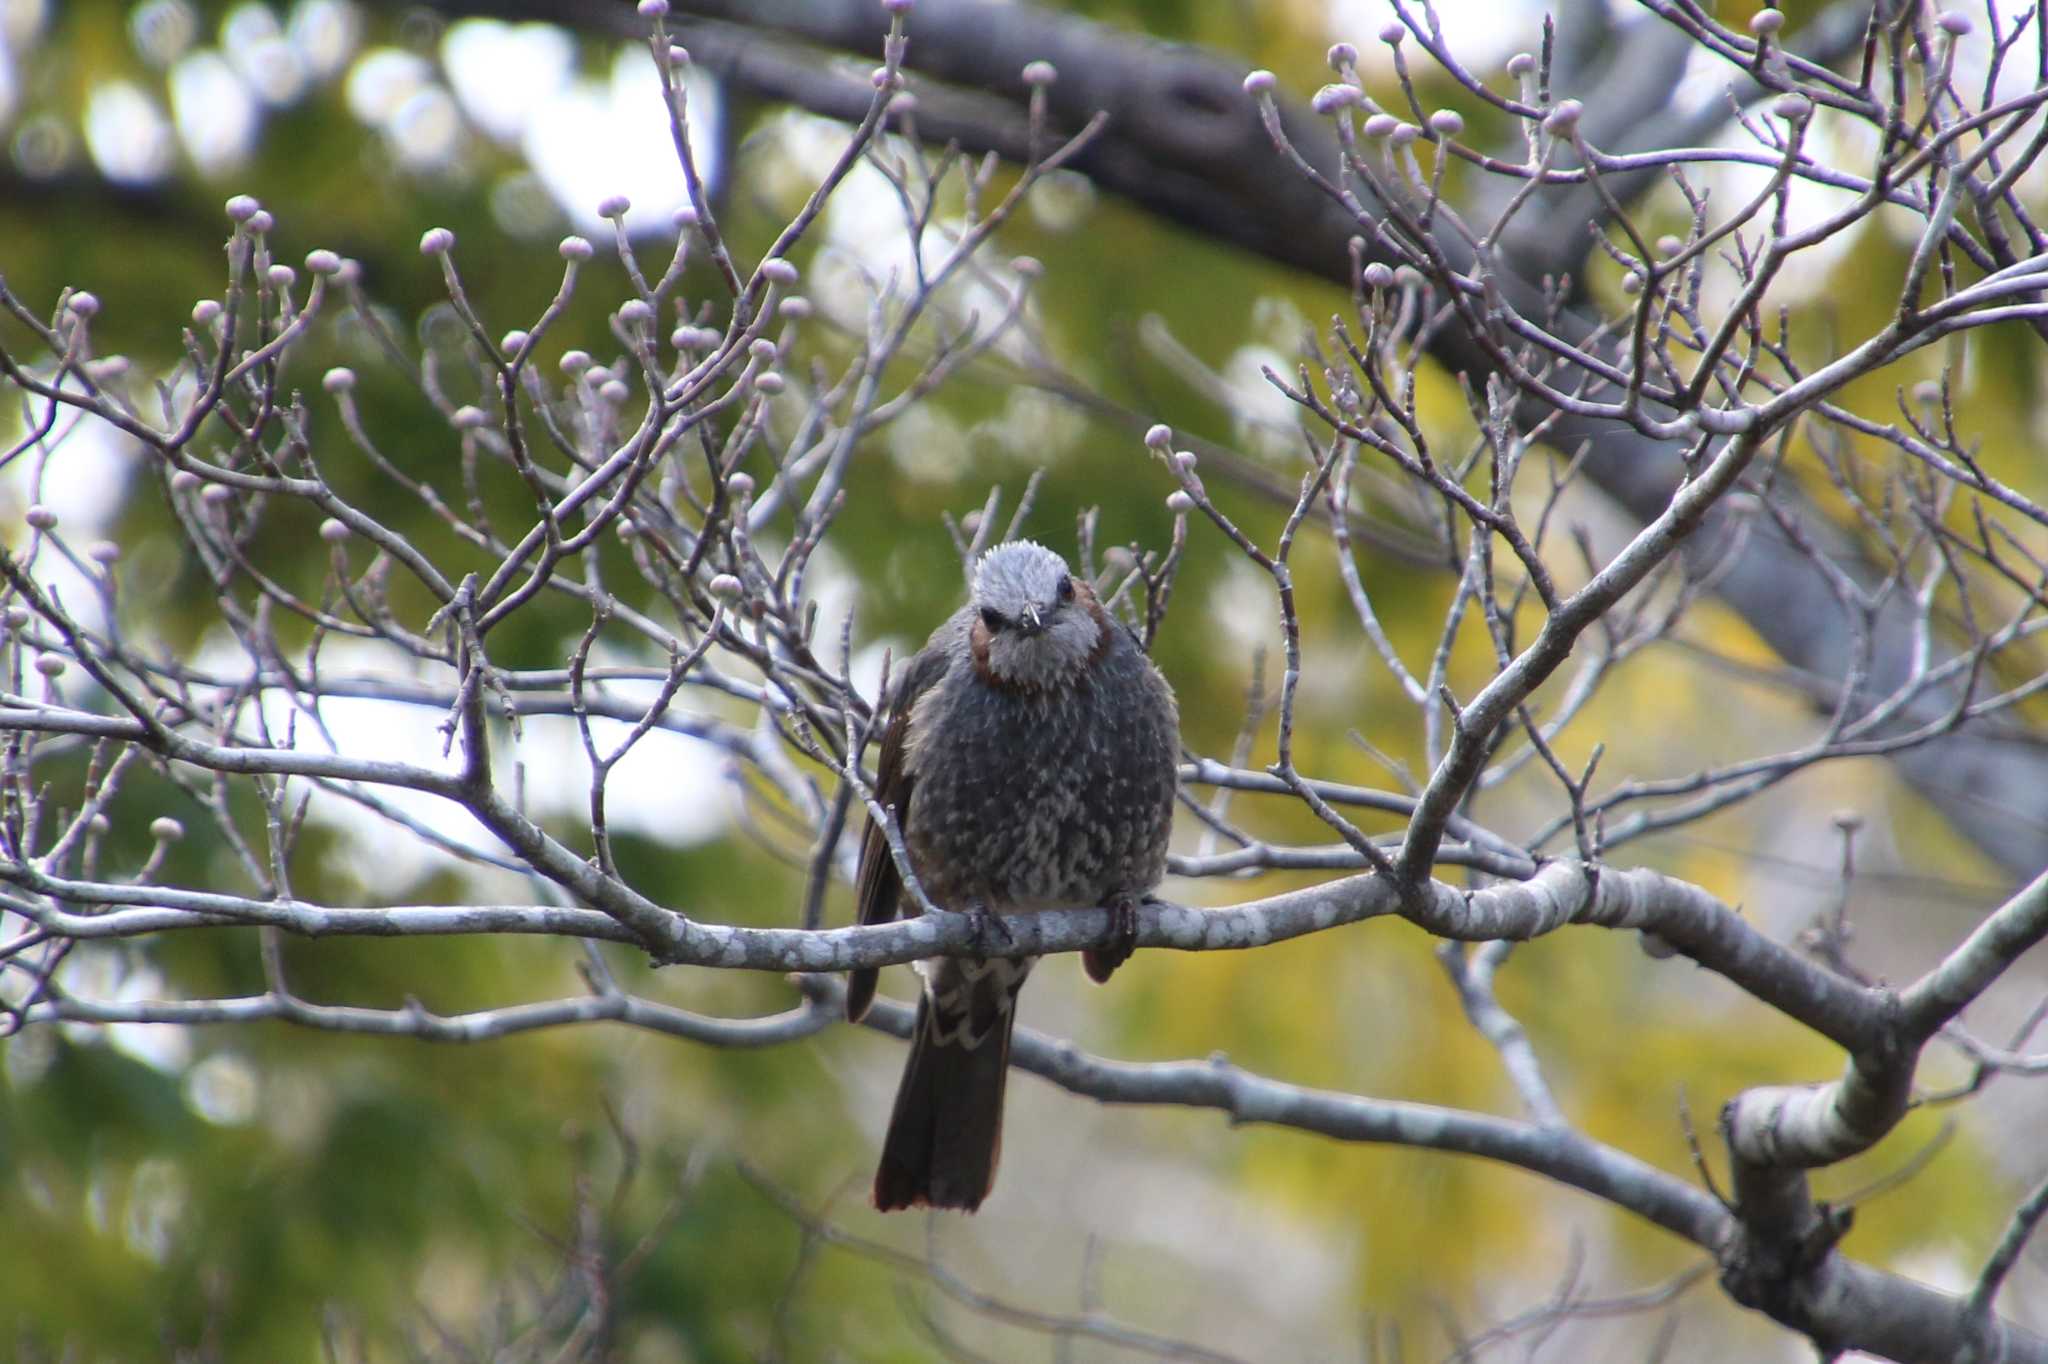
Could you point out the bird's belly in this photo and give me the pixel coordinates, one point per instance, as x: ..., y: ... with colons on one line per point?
x: 1037, y: 815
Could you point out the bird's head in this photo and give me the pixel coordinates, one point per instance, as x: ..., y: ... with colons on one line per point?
x: 1035, y: 625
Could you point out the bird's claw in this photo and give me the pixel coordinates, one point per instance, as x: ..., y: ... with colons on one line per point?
x: 1117, y: 944
x: 986, y: 926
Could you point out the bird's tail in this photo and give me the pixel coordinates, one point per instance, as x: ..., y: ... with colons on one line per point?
x: 947, y: 1130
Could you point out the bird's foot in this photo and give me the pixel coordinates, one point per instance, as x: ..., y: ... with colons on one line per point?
x: 987, y: 927
x: 1117, y: 944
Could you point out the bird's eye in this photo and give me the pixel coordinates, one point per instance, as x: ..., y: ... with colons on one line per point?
x: 1066, y: 589
x: 991, y: 618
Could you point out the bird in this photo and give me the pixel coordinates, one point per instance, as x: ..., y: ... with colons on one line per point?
x: 1029, y: 759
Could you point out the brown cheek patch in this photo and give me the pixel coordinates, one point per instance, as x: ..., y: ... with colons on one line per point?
x: 1104, y: 626
x: 977, y: 646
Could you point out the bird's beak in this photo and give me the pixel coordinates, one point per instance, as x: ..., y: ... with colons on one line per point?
x: 1031, y: 621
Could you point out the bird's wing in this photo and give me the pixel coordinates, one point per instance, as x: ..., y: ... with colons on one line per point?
x: 879, y: 886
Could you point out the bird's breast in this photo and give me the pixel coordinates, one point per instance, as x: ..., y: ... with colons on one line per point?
x: 1037, y: 798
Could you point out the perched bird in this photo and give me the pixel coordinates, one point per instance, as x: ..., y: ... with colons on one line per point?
x: 1029, y: 759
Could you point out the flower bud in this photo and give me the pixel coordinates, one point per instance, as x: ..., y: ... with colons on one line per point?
x: 1564, y: 118
x: 1331, y: 98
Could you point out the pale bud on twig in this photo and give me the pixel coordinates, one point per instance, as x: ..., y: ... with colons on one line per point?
x: 1564, y: 118
x: 1331, y: 98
